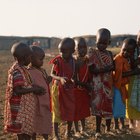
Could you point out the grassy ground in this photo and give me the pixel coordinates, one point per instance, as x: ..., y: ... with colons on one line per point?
x: 5, y: 62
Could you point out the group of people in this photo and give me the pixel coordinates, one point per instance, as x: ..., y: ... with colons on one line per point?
x: 84, y: 81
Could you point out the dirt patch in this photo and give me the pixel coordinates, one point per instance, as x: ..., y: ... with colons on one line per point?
x: 90, y: 129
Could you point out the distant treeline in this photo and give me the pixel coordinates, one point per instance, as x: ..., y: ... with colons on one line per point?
x: 46, y: 42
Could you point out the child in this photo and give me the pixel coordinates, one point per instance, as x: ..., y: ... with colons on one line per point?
x: 133, y: 103
x: 43, y: 120
x: 122, y: 66
x: 20, y: 101
x: 81, y: 92
x: 101, y: 66
x: 90, y: 51
x: 63, y: 101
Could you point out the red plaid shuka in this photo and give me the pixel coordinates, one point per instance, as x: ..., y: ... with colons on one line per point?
x: 19, y: 109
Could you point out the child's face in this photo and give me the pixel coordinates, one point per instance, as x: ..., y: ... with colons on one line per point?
x: 66, y: 52
x: 102, y: 42
x: 37, y: 59
x: 81, y: 50
x: 127, y: 50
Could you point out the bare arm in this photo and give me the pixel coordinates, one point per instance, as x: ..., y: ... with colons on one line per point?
x: 63, y: 80
x: 94, y: 70
x: 136, y: 71
x: 20, y: 90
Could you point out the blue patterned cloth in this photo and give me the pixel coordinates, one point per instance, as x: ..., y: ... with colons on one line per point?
x: 118, y: 105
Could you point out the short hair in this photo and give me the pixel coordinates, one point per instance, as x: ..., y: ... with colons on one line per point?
x: 20, y: 50
x: 80, y: 42
x: 130, y: 41
x: 103, y: 32
x: 36, y: 49
x: 67, y: 42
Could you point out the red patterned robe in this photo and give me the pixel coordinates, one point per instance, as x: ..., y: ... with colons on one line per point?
x: 19, y: 109
x: 103, y: 84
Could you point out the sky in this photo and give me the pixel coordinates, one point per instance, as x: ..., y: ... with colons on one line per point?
x: 68, y: 18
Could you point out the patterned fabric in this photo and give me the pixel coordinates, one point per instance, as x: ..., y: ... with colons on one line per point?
x: 66, y: 92
x: 102, y: 83
x: 135, y: 95
x: 131, y: 111
x: 43, y: 116
x: 19, y: 109
x: 133, y: 102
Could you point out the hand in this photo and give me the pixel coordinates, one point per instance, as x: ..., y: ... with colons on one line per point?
x: 38, y: 90
x: 109, y: 68
x: 136, y: 71
x: 49, y: 79
x: 63, y: 80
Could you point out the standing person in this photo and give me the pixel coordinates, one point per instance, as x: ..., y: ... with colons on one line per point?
x: 133, y: 103
x: 82, y: 78
x: 122, y: 67
x: 63, y: 100
x: 20, y: 100
x: 43, y: 118
x: 101, y: 66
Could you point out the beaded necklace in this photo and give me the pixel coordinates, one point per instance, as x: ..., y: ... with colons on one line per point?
x: 83, y: 59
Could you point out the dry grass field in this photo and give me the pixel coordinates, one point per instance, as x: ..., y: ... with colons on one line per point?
x: 6, y: 60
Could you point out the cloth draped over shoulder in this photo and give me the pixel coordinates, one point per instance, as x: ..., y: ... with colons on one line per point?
x: 66, y: 97
x: 19, y: 109
x: 121, y: 65
x: 102, y: 83
x: 82, y: 96
x: 55, y: 95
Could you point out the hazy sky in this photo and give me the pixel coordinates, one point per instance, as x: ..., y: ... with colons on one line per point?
x: 62, y: 18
